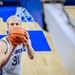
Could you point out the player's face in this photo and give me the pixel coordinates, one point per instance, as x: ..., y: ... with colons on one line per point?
x: 13, y: 22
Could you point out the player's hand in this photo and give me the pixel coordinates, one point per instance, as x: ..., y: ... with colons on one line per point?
x: 27, y: 36
x: 13, y: 45
x: 27, y: 40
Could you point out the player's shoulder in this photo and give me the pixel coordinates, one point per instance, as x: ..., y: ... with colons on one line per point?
x: 2, y: 41
x: 3, y: 46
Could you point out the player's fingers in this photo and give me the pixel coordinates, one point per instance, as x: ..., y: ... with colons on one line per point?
x: 26, y: 40
x: 25, y: 32
x: 26, y: 36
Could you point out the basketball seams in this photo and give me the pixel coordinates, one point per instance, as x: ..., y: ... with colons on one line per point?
x: 15, y: 39
x: 19, y: 34
x: 15, y: 29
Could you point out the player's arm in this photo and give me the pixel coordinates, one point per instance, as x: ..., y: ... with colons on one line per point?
x: 29, y: 48
x: 5, y: 57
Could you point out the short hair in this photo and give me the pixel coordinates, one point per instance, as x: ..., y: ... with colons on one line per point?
x: 13, y: 17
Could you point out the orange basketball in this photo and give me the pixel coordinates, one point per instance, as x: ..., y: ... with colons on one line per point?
x: 16, y: 35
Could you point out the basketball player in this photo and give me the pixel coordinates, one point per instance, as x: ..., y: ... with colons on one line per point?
x: 10, y: 55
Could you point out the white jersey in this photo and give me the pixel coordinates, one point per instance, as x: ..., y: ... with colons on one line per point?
x: 14, y: 65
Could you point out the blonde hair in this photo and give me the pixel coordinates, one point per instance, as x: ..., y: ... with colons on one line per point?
x: 13, y: 17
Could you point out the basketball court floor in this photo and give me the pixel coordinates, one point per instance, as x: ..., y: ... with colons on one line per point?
x: 45, y: 62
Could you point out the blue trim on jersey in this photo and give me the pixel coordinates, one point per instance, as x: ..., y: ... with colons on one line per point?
x: 18, y: 51
x: 1, y: 71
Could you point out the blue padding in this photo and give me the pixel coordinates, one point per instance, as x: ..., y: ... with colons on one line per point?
x: 35, y: 9
x: 38, y: 40
x: 5, y: 12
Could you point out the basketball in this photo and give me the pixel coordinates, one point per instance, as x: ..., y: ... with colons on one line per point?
x: 16, y: 35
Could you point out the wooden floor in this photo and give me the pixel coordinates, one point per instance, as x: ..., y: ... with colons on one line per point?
x: 44, y: 63
x: 71, y: 11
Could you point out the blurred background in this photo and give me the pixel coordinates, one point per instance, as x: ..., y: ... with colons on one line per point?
x: 55, y: 16
x: 34, y: 7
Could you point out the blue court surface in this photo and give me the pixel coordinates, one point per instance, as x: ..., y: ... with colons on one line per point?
x: 39, y: 42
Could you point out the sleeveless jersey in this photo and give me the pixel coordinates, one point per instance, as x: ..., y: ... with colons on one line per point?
x: 14, y: 65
